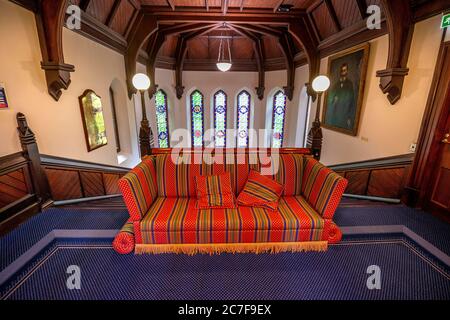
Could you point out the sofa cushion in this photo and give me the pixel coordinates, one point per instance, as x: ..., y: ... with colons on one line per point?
x: 215, y: 192
x: 177, y: 221
x: 260, y: 191
x: 176, y: 174
x: 139, y: 188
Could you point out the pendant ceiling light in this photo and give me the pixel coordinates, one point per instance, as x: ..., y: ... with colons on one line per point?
x: 223, y: 64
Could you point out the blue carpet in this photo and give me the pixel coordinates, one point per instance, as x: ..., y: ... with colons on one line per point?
x: 430, y: 228
x: 17, y: 242
x: 339, y: 273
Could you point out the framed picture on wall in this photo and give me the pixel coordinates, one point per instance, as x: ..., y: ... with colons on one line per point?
x: 343, y: 101
x: 3, y: 100
x: 93, y: 121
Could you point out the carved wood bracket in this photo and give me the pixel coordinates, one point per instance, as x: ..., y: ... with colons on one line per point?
x: 399, y: 20
x: 50, y: 20
x: 143, y: 28
x: 302, y: 31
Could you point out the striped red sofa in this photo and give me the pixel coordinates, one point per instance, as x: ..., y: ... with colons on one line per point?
x: 161, y: 200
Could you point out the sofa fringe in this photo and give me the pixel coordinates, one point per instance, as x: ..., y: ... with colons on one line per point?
x: 218, y: 248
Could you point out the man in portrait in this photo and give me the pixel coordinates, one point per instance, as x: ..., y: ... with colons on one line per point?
x: 341, y: 101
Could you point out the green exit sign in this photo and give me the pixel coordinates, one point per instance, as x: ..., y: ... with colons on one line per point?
x: 445, y: 21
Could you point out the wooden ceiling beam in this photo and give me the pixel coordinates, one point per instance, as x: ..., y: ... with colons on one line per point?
x: 155, y: 43
x: 142, y: 29
x: 224, y: 7
x: 362, y: 7
x: 171, y: 4
x: 289, y: 55
x: 333, y: 15
x: 258, y: 47
x: 113, y: 13
x: 180, y: 55
x: 277, y: 5
x: 189, y: 27
x: 302, y: 31
x: 84, y: 4
x: 268, y: 31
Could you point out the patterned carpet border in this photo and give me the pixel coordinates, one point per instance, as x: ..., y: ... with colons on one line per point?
x: 432, y: 274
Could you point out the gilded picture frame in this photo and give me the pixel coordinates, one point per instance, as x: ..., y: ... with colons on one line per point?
x: 93, y: 120
x: 343, y: 100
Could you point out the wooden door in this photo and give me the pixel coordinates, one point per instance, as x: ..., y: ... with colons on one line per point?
x: 439, y: 199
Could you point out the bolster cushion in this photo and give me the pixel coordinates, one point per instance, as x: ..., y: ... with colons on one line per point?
x: 322, y: 187
x: 139, y: 188
x: 124, y: 241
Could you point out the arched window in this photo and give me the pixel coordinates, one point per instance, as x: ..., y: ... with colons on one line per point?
x: 162, y: 119
x: 220, y: 119
x: 243, y: 118
x: 197, y: 110
x: 279, y: 114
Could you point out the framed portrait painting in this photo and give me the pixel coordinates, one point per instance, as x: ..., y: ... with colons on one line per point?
x: 93, y: 121
x: 343, y: 101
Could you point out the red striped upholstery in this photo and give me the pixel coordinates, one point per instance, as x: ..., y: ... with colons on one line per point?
x: 260, y: 191
x: 215, y: 192
x: 322, y: 187
x: 139, y: 188
x: 287, y: 169
x: 178, y: 221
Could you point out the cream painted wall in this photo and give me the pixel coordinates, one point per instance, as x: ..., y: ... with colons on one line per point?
x: 58, y: 125
x: 387, y: 130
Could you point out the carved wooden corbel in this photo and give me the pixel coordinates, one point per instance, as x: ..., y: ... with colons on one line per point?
x: 155, y: 43
x: 301, y: 30
x: 143, y: 28
x: 400, y: 26
x: 50, y: 20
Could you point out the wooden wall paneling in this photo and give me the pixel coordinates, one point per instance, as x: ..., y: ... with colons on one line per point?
x: 110, y: 181
x: 358, y: 182
x: 12, y: 187
x: 64, y: 184
x: 386, y: 183
x: 92, y: 183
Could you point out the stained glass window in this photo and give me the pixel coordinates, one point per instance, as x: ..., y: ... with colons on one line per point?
x: 197, y: 109
x: 243, y: 118
x: 162, y: 119
x: 279, y: 113
x: 220, y: 119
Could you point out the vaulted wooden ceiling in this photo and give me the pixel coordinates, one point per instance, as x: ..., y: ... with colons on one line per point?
x: 264, y: 35
x: 327, y: 16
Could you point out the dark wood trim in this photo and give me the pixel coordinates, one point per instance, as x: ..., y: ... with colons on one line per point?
x: 393, y: 161
x: 60, y: 162
x: 84, y: 4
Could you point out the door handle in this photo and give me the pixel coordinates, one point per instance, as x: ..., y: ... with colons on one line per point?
x: 445, y: 140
